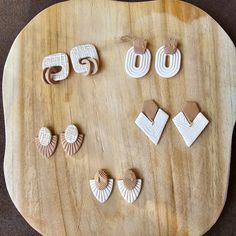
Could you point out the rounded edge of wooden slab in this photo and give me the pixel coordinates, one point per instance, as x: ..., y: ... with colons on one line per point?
x: 117, y: 2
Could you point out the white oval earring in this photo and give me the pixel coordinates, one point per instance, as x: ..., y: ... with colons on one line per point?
x: 138, y: 50
x: 169, y: 50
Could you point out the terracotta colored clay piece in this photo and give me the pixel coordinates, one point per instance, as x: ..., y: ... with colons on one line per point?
x: 101, y: 179
x: 47, y: 74
x: 171, y: 46
x: 71, y: 140
x: 130, y: 179
x: 140, y: 45
x: 150, y: 109
x: 86, y: 62
x: 191, y: 110
x: 46, y: 143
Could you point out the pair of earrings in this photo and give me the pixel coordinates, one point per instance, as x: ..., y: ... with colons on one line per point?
x: 190, y: 122
x: 139, y: 49
x: 129, y: 187
x: 71, y: 141
x: 84, y: 59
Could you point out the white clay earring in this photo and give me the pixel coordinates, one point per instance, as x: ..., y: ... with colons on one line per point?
x: 46, y: 143
x: 55, y: 68
x: 190, y: 123
x: 101, y: 186
x: 130, y: 186
x: 152, y: 121
x: 85, y: 59
x: 71, y: 140
x: 140, y: 50
x: 169, y: 50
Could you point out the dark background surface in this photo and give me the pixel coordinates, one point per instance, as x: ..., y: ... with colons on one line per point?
x: 14, y: 15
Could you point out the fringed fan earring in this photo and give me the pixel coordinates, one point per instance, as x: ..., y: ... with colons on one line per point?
x: 46, y: 143
x: 130, y: 186
x: 71, y: 140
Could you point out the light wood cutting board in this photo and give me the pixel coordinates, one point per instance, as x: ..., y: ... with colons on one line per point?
x: 184, y: 189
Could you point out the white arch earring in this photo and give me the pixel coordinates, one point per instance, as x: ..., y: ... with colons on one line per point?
x: 169, y: 50
x: 140, y: 50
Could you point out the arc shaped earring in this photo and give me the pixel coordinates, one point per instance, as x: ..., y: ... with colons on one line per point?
x: 101, y: 186
x: 169, y: 50
x: 71, y: 140
x: 45, y: 142
x: 130, y: 186
x: 140, y: 50
x: 85, y: 59
x: 55, y: 68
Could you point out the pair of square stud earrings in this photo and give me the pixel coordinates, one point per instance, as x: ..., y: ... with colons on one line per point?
x: 85, y: 60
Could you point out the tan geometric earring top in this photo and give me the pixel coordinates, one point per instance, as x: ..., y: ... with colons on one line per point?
x: 46, y: 143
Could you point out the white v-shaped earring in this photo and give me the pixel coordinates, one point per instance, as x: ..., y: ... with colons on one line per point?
x: 152, y: 121
x: 130, y: 186
x: 190, y: 123
x: 101, y: 186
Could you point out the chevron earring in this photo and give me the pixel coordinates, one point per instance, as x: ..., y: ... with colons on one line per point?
x: 46, y: 143
x: 152, y: 121
x: 190, y: 122
x: 130, y: 186
x: 101, y: 186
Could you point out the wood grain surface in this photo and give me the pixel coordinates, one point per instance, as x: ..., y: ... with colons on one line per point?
x: 184, y: 189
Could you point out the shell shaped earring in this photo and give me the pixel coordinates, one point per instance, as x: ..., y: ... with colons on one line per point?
x: 171, y: 52
x: 71, y: 140
x: 141, y: 52
x: 46, y: 143
x: 130, y: 186
x: 101, y: 186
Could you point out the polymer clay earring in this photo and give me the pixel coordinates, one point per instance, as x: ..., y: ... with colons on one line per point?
x: 152, y: 121
x: 71, y: 140
x: 190, y: 122
x: 85, y: 59
x: 55, y: 68
x: 101, y: 186
x: 169, y: 50
x: 46, y: 143
x: 130, y: 186
x: 139, y: 50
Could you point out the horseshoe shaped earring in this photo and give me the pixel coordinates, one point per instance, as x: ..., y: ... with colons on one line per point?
x: 139, y: 50
x: 85, y: 59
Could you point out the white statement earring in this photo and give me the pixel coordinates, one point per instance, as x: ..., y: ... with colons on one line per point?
x: 130, y: 186
x: 101, y: 186
x: 169, y: 50
x: 55, y: 68
x: 140, y: 50
x: 46, y: 143
x: 71, y: 140
x: 85, y: 59
x: 190, y: 123
x: 152, y: 121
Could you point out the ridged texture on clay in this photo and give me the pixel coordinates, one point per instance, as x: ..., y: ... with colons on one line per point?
x: 160, y: 63
x: 82, y: 51
x: 48, y: 150
x: 130, y: 195
x: 71, y: 148
x: 144, y: 64
x: 57, y: 59
x: 190, y: 132
x: 101, y: 195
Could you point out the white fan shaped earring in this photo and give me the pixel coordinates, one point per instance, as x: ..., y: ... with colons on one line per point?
x: 71, y: 140
x: 140, y: 50
x: 101, y: 186
x: 169, y: 50
x: 46, y: 143
x: 130, y: 186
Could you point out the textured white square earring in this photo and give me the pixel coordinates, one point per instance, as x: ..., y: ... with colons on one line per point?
x: 152, y: 121
x: 169, y: 50
x: 190, y: 123
x: 140, y: 50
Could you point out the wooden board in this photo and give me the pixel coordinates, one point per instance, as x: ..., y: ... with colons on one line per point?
x: 184, y: 188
